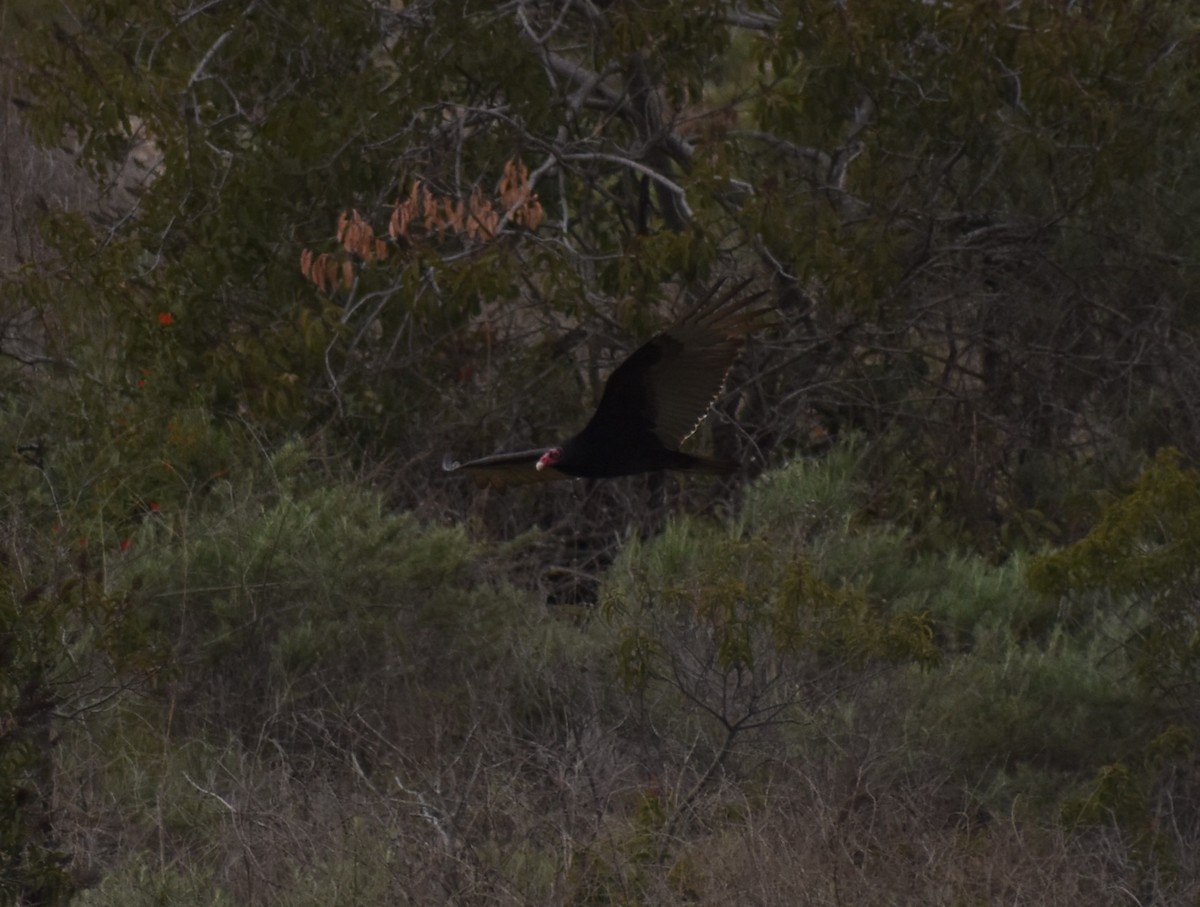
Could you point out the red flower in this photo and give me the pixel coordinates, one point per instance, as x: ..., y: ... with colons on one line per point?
x: 125, y: 543
x: 166, y: 319
x: 154, y: 506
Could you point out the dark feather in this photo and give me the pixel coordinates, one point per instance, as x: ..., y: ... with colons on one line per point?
x: 652, y: 402
x: 499, y: 471
x: 669, y: 383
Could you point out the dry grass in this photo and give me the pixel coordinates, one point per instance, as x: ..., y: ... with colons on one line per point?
x: 499, y: 817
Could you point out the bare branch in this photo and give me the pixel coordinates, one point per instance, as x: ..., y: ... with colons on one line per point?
x: 668, y: 184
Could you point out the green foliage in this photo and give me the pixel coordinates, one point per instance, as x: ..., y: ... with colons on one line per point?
x: 1135, y: 572
x: 68, y: 644
x: 960, y: 115
x: 143, y: 884
x: 822, y: 506
x: 738, y: 614
x: 308, y: 591
x: 1052, y: 706
x: 756, y: 626
x: 809, y: 498
x: 903, y: 166
x: 1138, y: 563
x: 746, y: 628
x: 1122, y: 795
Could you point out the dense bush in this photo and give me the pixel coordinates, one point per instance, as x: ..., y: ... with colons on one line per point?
x: 347, y: 699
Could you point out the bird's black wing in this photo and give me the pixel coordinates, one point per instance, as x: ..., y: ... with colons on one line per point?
x: 668, y: 384
x: 500, y: 471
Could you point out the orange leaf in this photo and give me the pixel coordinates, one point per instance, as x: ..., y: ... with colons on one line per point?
x: 429, y: 208
x: 514, y: 185
x: 452, y: 214
x: 320, y: 272
x: 395, y: 227
x: 401, y: 217
x: 533, y: 213
x: 357, y: 237
x: 479, y: 211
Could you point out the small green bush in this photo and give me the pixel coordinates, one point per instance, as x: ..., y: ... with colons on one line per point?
x: 1138, y: 564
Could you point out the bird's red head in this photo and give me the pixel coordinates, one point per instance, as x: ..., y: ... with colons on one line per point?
x: 549, y: 458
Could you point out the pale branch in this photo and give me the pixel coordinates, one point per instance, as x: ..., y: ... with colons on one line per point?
x: 852, y: 147
x: 588, y: 85
x: 551, y: 29
x: 210, y: 793
x: 561, y: 66
x: 435, y: 817
x: 189, y: 14
x: 216, y: 46
x: 670, y: 185
x: 208, y: 55
x: 36, y: 359
x: 741, y: 18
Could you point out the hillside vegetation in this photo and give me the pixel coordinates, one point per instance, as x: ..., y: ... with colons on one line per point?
x: 264, y: 264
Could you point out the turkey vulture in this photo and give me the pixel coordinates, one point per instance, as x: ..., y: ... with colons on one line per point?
x: 652, y: 402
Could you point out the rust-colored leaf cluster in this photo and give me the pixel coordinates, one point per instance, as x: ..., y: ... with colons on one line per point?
x: 325, y: 270
x: 357, y: 237
x: 477, y: 217
x: 518, y: 198
x: 426, y: 211
x: 423, y: 211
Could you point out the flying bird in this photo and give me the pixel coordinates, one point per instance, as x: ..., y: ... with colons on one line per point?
x: 652, y: 402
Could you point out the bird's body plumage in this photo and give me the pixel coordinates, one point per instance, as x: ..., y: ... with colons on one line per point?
x: 652, y: 402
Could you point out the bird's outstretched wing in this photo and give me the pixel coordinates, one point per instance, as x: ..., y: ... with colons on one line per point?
x: 502, y: 470
x: 668, y: 384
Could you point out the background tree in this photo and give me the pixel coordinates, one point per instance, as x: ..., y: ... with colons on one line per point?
x: 973, y: 218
